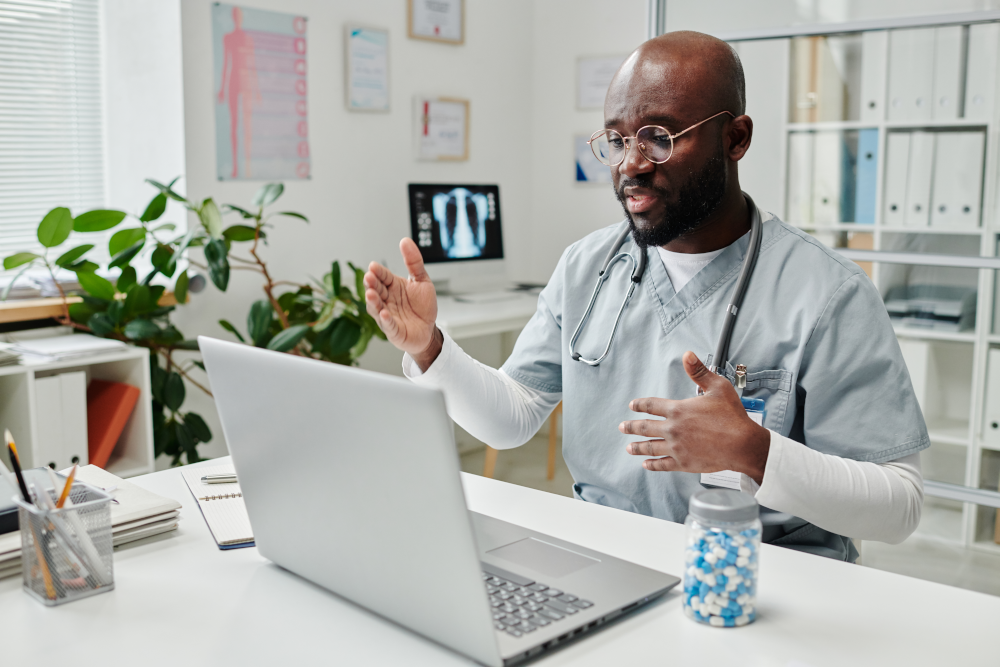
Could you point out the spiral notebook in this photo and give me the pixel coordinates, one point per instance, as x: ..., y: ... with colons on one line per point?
x: 222, y: 506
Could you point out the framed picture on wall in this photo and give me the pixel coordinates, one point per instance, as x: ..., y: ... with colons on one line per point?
x: 593, y: 76
x: 441, y: 128
x: 367, y: 62
x: 437, y: 20
x: 588, y: 168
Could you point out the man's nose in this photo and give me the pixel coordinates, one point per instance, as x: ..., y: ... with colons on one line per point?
x: 634, y: 162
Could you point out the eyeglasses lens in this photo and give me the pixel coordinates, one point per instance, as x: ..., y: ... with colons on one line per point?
x: 655, y: 145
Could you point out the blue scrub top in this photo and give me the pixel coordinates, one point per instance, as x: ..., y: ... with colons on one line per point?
x: 813, y: 332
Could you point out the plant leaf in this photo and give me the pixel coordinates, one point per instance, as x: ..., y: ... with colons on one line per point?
x: 242, y: 211
x: 359, y: 282
x: 190, y: 345
x: 126, y: 280
x: 218, y: 263
x: 70, y: 256
x: 199, y: 429
x: 97, y: 286
x: 167, y: 189
x: 334, y: 281
x: 165, y: 227
x: 225, y: 324
x: 55, y: 227
x: 81, y: 312
x: 141, y: 328
x: 125, y: 238
x: 97, y: 221
x: 288, y: 338
x: 173, y: 391
x: 268, y: 194
x: 138, y: 301
x: 127, y: 255
x: 181, y: 287
x: 341, y: 337
x: 83, y: 266
x: 211, y: 218
x: 19, y: 258
x: 240, y: 233
x: 259, y: 321
x: 293, y: 214
x: 155, y: 209
x: 101, y: 324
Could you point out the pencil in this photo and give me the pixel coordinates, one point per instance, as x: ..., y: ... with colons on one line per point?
x: 66, y: 489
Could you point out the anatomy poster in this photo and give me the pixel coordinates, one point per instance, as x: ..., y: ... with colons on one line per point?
x: 261, y: 114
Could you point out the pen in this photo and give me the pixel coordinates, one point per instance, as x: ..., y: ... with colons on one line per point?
x: 219, y: 479
x: 15, y: 462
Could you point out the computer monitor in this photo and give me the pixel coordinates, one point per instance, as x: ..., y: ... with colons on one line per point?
x: 458, y: 230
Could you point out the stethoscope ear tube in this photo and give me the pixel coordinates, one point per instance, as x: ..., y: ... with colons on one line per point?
x: 721, y: 355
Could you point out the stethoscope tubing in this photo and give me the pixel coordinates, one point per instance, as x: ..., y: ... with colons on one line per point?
x: 720, y: 357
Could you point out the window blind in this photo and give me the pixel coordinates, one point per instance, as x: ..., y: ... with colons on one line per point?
x: 51, y: 137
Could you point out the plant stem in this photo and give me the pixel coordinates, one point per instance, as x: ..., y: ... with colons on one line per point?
x: 269, y: 285
x: 64, y: 319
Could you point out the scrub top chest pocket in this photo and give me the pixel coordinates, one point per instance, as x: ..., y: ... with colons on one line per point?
x: 765, y: 397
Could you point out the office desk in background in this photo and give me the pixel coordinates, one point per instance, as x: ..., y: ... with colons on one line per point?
x: 180, y: 601
x: 466, y: 320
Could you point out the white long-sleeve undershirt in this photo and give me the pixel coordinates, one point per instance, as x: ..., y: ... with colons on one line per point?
x: 868, y: 501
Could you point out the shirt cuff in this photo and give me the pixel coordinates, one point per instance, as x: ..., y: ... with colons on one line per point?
x: 437, y: 370
x: 747, y: 484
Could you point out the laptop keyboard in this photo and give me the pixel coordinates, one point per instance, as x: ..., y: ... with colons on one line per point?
x: 521, y: 606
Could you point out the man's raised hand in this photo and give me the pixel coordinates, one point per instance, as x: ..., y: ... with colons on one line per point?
x: 405, y: 309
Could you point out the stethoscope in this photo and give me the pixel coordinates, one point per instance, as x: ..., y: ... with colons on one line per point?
x: 639, y: 268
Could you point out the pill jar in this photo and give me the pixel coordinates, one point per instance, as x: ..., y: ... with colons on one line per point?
x: 720, y: 560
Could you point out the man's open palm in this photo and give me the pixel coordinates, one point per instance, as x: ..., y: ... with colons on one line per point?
x: 405, y: 309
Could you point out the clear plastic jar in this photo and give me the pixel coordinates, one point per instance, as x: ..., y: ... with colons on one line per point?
x: 720, y: 568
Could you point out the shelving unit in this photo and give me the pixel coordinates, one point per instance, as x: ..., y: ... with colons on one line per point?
x: 18, y: 411
x: 955, y: 410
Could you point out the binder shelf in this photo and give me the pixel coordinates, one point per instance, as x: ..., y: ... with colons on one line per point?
x: 889, y: 140
x: 25, y: 398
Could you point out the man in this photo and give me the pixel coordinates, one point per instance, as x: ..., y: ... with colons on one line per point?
x: 837, y: 454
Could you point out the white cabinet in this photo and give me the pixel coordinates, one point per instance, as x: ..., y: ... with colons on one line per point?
x: 29, y: 394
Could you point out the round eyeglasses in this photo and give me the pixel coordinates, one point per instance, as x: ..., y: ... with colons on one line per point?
x: 655, y: 143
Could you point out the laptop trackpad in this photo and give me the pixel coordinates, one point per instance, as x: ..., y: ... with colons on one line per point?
x: 543, y: 557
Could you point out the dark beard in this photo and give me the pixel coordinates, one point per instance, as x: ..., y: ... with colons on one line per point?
x: 696, y: 200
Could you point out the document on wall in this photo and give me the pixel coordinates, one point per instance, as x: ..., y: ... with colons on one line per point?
x: 593, y: 76
x: 442, y: 128
x: 367, y: 69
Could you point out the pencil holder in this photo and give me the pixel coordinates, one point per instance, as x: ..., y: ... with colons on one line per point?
x: 66, y: 554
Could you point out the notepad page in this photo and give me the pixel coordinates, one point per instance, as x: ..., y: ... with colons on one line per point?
x: 222, y: 505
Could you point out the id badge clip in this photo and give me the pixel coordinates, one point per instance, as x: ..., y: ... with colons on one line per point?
x: 730, y: 479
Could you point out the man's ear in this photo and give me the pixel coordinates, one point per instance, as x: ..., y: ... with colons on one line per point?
x: 740, y: 134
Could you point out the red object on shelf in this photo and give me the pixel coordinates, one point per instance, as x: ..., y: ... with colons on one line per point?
x: 109, y: 405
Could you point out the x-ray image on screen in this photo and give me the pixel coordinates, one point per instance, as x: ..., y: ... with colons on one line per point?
x: 456, y: 222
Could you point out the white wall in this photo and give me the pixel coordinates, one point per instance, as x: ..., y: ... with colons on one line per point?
x: 361, y: 162
x: 563, y: 211
x: 143, y: 98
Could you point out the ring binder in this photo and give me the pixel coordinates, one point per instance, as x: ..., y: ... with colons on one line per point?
x: 221, y: 496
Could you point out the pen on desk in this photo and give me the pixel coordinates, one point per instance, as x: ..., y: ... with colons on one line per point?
x: 228, y: 478
x: 66, y: 489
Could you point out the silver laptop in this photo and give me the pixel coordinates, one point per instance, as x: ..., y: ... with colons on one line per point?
x: 351, y: 479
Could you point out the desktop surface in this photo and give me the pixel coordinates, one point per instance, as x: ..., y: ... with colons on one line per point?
x: 179, y: 600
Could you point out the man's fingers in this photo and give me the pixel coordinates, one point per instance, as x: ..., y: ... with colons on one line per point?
x: 647, y: 448
x: 413, y: 260
x: 649, y: 427
x: 651, y: 406
x: 666, y: 464
x: 380, y: 273
x: 376, y: 285
x: 700, y: 374
x: 388, y: 323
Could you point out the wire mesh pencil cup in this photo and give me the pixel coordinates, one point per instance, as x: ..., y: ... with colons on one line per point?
x: 66, y: 554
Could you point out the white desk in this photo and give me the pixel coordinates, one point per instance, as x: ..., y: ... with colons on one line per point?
x: 465, y: 320
x: 180, y: 601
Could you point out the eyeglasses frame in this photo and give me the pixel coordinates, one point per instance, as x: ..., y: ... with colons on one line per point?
x: 593, y: 137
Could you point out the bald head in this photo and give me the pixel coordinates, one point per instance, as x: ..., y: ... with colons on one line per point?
x: 699, y: 72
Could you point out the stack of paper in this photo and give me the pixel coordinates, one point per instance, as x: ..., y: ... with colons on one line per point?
x: 138, y: 513
x: 23, y: 287
x: 57, y: 348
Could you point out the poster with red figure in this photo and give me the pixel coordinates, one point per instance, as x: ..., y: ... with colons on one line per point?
x: 261, y: 113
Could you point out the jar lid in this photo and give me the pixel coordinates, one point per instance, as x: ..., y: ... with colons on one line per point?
x: 726, y: 505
